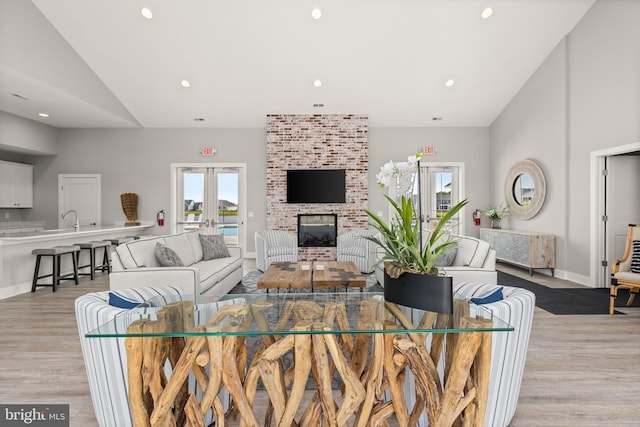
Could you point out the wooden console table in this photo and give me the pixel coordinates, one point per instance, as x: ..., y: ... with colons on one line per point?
x: 525, y: 249
x: 356, y: 338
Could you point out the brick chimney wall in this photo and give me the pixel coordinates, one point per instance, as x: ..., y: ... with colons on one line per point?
x: 327, y: 141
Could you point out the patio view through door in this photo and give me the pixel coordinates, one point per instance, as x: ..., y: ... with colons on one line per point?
x: 208, y: 200
x: 441, y: 188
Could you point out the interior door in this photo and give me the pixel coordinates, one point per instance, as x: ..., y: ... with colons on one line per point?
x: 440, y: 190
x: 81, y: 193
x: 208, y: 201
x: 622, y: 207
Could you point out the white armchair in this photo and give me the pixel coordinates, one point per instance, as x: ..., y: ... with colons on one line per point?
x: 275, y: 246
x: 105, y: 359
x: 354, y: 247
x: 508, y: 350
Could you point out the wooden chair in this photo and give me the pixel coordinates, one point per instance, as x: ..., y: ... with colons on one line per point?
x: 622, y: 275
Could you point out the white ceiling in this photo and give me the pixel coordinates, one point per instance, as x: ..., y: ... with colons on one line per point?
x: 99, y: 63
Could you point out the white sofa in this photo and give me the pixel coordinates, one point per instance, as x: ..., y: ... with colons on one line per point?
x: 134, y: 265
x: 475, y: 261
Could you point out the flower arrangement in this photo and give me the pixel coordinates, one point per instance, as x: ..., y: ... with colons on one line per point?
x: 402, y: 171
x: 497, y: 214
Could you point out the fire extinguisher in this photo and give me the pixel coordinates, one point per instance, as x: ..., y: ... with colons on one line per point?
x: 476, y: 216
x: 160, y: 218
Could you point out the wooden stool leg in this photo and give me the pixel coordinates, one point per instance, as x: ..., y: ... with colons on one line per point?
x: 75, y: 267
x: 106, y: 263
x: 92, y: 261
x: 35, y: 274
x: 56, y: 272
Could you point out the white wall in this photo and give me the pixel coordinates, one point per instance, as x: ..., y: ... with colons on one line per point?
x: 20, y: 135
x: 584, y: 97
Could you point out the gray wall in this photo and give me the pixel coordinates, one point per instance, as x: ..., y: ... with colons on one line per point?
x: 584, y: 97
x: 138, y: 161
x: 467, y: 145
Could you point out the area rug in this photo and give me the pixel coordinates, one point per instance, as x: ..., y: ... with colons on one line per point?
x: 249, y: 285
x: 569, y: 300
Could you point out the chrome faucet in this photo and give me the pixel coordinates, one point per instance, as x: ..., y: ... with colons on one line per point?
x: 76, y: 226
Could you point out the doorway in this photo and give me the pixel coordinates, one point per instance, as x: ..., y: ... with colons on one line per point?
x: 210, y: 198
x: 612, y: 206
x: 81, y: 193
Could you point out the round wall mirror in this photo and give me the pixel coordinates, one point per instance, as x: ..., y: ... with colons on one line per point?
x: 525, y: 189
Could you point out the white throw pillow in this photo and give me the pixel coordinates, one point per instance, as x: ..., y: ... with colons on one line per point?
x: 472, y: 252
x: 196, y: 246
x: 139, y: 253
x: 182, y: 247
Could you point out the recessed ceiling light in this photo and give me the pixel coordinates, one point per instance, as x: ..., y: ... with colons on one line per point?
x: 317, y: 83
x: 486, y: 13
x: 185, y: 83
x: 316, y: 13
x: 449, y: 83
x: 43, y: 114
x: 146, y: 12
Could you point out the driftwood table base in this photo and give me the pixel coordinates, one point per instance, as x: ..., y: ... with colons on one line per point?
x: 371, y: 367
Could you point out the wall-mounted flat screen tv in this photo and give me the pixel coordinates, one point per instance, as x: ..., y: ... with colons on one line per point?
x: 316, y: 186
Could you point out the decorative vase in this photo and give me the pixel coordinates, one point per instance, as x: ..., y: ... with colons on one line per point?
x: 495, y: 223
x: 423, y: 291
x: 129, y: 203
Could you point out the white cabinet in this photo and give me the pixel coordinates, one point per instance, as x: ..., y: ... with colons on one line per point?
x: 522, y: 248
x: 16, y: 185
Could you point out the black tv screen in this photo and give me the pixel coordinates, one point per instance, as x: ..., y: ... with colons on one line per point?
x: 316, y: 186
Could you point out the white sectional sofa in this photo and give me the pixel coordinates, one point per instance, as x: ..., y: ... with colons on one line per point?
x: 134, y: 265
x: 474, y: 261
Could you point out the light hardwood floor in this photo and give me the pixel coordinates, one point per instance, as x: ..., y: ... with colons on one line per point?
x: 580, y: 370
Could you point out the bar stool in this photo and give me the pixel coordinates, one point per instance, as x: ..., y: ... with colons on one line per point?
x: 92, y: 247
x: 119, y: 240
x: 56, y: 254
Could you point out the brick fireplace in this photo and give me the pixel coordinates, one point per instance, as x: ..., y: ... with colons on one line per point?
x: 329, y: 141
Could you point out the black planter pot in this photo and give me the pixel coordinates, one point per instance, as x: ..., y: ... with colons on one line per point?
x: 426, y: 292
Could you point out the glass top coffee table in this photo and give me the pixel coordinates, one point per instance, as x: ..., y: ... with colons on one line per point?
x: 353, y: 338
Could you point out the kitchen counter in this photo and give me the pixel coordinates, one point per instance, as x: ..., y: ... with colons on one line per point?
x: 43, y: 235
x: 17, y: 263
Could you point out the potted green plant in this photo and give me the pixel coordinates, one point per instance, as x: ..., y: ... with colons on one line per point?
x: 411, y: 275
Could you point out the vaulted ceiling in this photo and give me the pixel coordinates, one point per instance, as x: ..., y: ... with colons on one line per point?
x: 100, y: 63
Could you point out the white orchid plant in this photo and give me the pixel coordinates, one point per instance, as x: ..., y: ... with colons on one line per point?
x: 402, y: 171
x: 497, y: 213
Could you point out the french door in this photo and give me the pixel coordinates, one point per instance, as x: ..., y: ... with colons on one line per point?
x: 210, y: 199
x: 441, y: 188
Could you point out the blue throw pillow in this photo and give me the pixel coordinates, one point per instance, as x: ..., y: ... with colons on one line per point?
x: 118, y: 301
x: 492, y: 297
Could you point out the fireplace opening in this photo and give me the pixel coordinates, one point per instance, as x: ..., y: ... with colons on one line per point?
x: 317, y: 230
